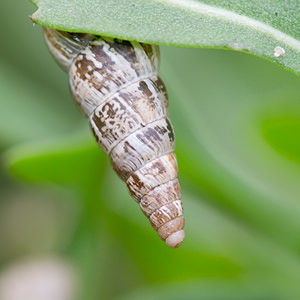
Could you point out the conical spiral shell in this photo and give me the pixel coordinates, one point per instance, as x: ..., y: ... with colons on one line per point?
x: 116, y: 85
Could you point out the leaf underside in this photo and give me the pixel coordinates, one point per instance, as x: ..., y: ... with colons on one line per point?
x: 256, y: 27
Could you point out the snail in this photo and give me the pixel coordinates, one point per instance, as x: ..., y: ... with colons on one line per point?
x: 116, y: 85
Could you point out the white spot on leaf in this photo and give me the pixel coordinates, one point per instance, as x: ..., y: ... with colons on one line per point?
x: 279, y: 51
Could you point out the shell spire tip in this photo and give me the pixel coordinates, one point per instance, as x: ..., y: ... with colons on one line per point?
x: 175, y: 239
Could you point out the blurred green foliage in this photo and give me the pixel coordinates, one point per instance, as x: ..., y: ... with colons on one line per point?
x: 236, y: 119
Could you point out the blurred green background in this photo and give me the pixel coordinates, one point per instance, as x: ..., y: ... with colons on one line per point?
x: 237, y: 124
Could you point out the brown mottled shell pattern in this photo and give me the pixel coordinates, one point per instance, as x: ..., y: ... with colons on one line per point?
x: 116, y: 85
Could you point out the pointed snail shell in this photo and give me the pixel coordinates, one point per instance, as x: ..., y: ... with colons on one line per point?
x: 116, y: 85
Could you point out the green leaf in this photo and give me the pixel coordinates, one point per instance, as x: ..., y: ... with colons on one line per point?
x: 257, y: 27
x: 284, y: 135
x: 74, y: 162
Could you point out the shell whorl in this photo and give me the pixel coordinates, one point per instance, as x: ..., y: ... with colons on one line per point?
x: 116, y: 85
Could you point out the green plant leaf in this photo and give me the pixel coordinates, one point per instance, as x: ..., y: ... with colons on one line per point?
x: 257, y: 27
x: 284, y: 135
x: 74, y: 162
